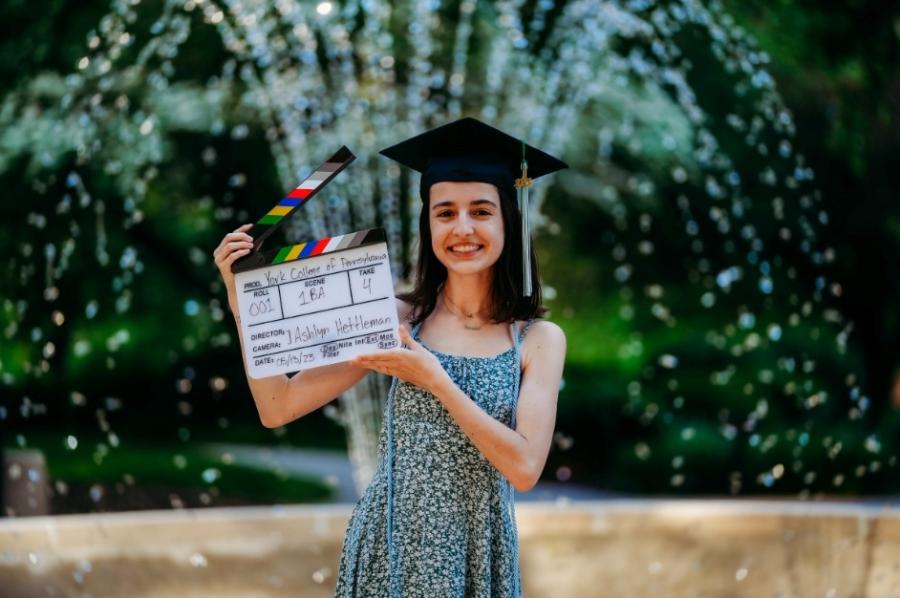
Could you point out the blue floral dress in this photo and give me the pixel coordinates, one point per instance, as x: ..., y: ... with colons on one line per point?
x: 438, y: 518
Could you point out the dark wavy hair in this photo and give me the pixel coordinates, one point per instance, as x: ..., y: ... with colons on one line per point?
x: 507, y: 302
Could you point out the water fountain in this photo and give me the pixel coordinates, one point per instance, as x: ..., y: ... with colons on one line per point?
x: 608, y: 85
x: 614, y: 87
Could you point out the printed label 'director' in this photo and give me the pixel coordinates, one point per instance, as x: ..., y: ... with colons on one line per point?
x: 317, y: 311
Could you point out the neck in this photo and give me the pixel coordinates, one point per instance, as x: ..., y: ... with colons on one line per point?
x: 469, y: 294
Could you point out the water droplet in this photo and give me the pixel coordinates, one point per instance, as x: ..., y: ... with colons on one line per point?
x: 642, y: 451
x: 668, y: 361
x: 321, y: 575
x: 191, y: 307
x: 872, y: 444
x: 147, y: 126
x: 240, y: 132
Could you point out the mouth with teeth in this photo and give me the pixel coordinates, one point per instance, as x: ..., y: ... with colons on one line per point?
x: 465, y: 249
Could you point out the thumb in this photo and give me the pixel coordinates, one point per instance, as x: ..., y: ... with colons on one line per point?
x: 407, y: 339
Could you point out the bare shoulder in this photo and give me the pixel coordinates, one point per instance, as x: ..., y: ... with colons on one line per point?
x: 544, y: 335
x: 544, y: 350
x: 546, y: 339
x: 404, y: 309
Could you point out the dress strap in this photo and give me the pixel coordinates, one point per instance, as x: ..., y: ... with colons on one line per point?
x: 518, y: 337
x: 510, y: 492
x: 389, y: 474
x: 389, y: 416
x: 525, y: 328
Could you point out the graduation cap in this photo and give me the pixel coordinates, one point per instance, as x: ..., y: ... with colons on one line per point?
x: 468, y: 150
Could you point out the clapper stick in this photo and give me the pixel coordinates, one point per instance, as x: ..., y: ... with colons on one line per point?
x: 275, y: 217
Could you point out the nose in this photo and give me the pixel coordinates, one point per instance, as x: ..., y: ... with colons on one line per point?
x: 463, y: 226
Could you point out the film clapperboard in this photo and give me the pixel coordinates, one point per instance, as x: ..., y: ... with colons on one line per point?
x: 315, y: 303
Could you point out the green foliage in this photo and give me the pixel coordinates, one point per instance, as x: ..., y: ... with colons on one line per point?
x: 190, y: 469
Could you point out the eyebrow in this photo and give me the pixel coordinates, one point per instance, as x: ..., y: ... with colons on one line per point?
x: 475, y: 202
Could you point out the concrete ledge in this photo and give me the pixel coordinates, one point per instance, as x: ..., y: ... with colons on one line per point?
x: 616, y: 548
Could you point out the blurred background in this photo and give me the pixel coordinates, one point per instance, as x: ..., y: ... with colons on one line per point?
x: 722, y: 254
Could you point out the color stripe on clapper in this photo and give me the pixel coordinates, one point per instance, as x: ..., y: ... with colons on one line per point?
x: 300, y: 195
x: 326, y: 245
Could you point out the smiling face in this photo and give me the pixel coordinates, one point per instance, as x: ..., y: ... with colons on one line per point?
x: 466, y: 226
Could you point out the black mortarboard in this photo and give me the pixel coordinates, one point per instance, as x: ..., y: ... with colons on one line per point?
x: 470, y: 150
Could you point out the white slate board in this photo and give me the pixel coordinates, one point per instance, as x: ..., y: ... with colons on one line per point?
x: 317, y: 311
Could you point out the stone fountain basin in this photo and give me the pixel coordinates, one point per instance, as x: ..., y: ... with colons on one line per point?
x: 622, y: 548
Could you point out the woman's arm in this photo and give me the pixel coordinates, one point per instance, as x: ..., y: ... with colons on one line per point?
x: 279, y: 399
x: 518, y: 454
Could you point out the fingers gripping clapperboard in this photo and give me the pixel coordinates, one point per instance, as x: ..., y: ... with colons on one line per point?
x: 315, y: 303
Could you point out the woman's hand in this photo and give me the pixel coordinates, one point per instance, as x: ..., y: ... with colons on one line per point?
x: 233, y: 246
x: 414, y: 364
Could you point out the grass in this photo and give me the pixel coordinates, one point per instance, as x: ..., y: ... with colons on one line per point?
x: 148, y: 475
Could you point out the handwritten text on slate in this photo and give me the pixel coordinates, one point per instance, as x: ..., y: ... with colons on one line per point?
x: 317, y: 311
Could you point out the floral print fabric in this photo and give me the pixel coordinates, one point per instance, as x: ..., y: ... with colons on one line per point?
x: 453, y: 518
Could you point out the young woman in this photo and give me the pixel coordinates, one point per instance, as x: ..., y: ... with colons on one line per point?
x: 472, y: 406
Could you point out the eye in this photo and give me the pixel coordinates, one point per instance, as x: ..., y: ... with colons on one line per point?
x: 483, y: 212
x: 444, y: 213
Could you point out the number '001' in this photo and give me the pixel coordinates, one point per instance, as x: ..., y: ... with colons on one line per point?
x: 260, y: 307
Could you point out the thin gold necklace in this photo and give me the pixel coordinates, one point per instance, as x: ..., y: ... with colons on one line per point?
x: 466, y: 325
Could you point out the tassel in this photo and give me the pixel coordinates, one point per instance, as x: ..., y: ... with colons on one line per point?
x: 523, y: 185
